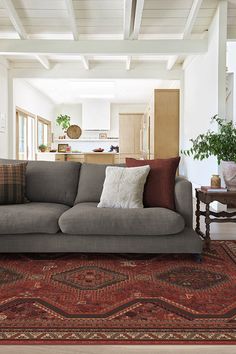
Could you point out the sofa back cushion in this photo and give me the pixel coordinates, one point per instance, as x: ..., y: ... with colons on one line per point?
x: 51, y: 182
x: 92, y: 177
x: 91, y: 181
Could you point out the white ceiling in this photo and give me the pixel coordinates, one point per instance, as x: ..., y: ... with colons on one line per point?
x: 98, y: 20
x: 116, y: 91
x: 106, y: 19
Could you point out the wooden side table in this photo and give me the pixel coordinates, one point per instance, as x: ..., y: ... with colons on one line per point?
x: 219, y: 217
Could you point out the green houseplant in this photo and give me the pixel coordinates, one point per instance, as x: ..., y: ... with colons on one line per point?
x: 222, y: 145
x: 63, y: 121
x: 42, y: 148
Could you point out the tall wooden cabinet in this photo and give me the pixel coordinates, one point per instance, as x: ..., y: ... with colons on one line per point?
x: 129, y: 135
x: 164, y: 123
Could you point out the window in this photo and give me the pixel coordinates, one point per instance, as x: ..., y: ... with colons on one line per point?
x: 25, y: 135
x: 44, y: 132
x: 30, y: 135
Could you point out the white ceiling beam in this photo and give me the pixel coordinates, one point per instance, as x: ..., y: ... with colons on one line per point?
x: 138, y: 18
x: 103, y: 47
x: 102, y: 70
x: 127, y: 17
x: 44, y: 61
x: 14, y: 18
x: 171, y: 62
x: 128, y: 62
x: 192, y: 18
x: 188, y: 26
x: 85, y: 62
x: 72, y: 18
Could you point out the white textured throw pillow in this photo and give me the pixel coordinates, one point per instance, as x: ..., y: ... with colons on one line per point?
x: 123, y: 187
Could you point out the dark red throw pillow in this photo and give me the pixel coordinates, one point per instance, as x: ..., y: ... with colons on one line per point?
x: 160, y: 184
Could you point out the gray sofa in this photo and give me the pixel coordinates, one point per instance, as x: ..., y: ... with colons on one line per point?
x: 62, y: 216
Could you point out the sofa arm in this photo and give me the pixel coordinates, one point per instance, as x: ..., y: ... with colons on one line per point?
x: 184, y: 199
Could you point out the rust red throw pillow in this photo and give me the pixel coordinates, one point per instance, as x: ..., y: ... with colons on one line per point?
x: 160, y: 184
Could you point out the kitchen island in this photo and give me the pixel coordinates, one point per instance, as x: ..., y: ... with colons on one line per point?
x: 88, y: 157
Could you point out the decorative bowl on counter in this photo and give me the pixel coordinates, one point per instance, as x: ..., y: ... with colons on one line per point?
x: 98, y: 150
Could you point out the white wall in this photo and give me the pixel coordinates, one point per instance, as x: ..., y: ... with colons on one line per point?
x: 75, y: 112
x: 231, y: 65
x: 202, y: 98
x: 4, y: 109
x: 32, y: 100
x: 72, y: 110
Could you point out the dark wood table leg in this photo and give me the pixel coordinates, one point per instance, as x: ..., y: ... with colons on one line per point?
x: 197, y: 213
x: 207, y: 223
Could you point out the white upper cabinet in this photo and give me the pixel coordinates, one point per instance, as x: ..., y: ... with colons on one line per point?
x: 96, y: 114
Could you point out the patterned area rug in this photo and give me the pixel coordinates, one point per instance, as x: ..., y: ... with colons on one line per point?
x: 119, y: 299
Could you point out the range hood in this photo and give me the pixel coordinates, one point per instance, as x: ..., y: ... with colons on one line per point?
x: 95, y: 115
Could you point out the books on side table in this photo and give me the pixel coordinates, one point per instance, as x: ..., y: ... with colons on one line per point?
x: 213, y: 190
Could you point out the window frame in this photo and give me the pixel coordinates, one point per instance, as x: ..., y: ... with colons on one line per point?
x: 25, y: 114
x: 49, y: 129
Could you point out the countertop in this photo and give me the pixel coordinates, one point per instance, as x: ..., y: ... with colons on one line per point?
x: 79, y: 153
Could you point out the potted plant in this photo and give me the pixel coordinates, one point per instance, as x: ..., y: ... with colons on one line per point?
x: 63, y: 121
x: 222, y: 145
x: 42, y: 148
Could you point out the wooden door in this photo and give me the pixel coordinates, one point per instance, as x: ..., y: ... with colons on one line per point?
x: 129, y: 135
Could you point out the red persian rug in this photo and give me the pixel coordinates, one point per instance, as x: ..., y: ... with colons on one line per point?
x: 119, y: 299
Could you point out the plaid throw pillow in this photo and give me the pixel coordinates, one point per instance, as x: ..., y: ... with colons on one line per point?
x: 12, y: 183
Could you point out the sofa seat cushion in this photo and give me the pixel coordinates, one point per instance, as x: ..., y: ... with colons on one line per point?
x: 87, y: 219
x: 30, y: 218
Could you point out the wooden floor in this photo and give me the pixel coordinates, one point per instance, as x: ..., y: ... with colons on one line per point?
x: 218, y: 232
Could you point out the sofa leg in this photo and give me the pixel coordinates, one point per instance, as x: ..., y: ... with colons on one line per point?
x: 197, y: 257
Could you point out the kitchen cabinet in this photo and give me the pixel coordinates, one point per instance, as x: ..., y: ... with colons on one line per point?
x: 99, y: 158
x: 93, y: 157
x: 129, y: 135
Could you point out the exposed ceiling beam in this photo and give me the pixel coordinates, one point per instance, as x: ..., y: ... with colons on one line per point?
x: 138, y: 17
x: 188, y: 26
x: 192, y: 17
x: 171, y: 62
x: 128, y: 62
x: 127, y: 18
x: 85, y: 62
x: 102, y: 70
x: 14, y: 18
x: 72, y: 18
x: 103, y: 47
x: 44, y: 61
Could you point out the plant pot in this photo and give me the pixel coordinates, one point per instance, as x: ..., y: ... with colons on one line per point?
x: 229, y: 174
x: 42, y: 150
